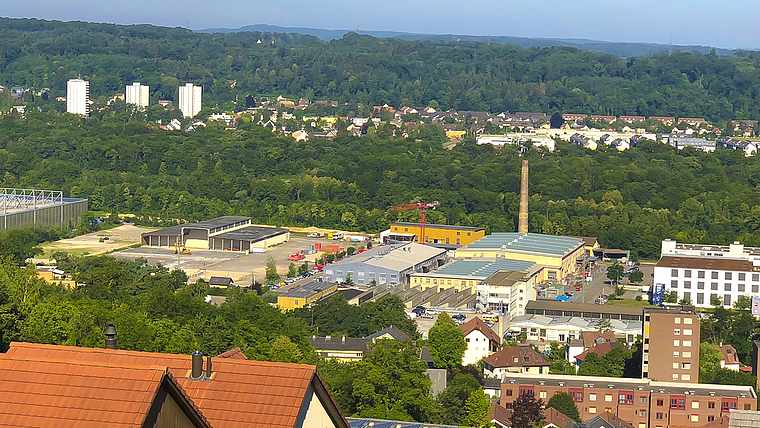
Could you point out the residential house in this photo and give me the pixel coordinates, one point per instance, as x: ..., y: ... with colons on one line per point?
x: 516, y: 359
x: 574, y: 117
x: 39, y: 390
x: 667, y: 120
x: 632, y: 119
x: 729, y: 359
x: 230, y: 392
x: 221, y: 282
x: 481, y: 341
x: 608, y: 119
x: 391, y: 332
x: 343, y: 349
x: 604, y: 420
x: 301, y: 136
x: 693, y: 121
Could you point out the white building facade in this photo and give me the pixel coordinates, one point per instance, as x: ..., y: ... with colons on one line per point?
x: 700, y: 273
x: 138, y: 94
x: 190, y: 100
x: 78, y: 97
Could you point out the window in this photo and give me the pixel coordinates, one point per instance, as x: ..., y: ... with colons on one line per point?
x: 642, y: 413
x: 541, y: 394
x: 675, y: 365
x: 467, y: 339
x: 700, y: 285
x: 608, y: 398
x: 688, y: 320
x: 747, y: 407
x: 674, y: 283
x: 592, y: 397
x: 711, y: 405
x: 694, y: 418
x: 687, y: 332
x: 755, y: 288
x: 643, y: 400
x: 727, y: 286
x: 592, y: 410
x: 726, y: 300
x: 700, y: 298
x: 710, y: 418
x: 687, y: 343
x: 742, y: 276
x: 658, y: 416
x: 674, y: 376
x: 508, y: 392
x: 687, y: 273
x: 675, y: 342
x: 676, y: 354
x: 714, y: 275
x: 678, y: 403
x: 755, y: 277
x: 695, y: 404
x: 660, y: 402
x: 741, y: 288
x: 700, y: 274
x: 457, y: 233
x: 728, y: 276
x: 713, y: 286
x: 686, y: 354
x: 674, y: 273
x: 687, y: 284
x: 526, y: 390
x: 458, y: 241
x: 577, y: 395
x: 685, y: 377
x: 677, y: 332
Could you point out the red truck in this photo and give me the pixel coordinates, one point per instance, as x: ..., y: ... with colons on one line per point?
x: 296, y: 257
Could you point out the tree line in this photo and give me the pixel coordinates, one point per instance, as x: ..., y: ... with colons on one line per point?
x: 462, y: 75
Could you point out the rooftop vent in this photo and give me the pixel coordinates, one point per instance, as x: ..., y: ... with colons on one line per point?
x: 111, y: 336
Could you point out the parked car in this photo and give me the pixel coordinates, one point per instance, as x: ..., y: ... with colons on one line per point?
x: 577, y: 289
x: 459, y: 317
x: 418, y: 310
x: 432, y: 312
x: 313, y: 235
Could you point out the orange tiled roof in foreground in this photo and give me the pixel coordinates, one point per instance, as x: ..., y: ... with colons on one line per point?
x: 241, y: 393
x: 37, y: 393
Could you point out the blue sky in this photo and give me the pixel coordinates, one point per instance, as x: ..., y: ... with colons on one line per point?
x: 689, y: 22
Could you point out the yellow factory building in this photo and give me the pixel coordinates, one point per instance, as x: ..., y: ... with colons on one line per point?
x: 436, y: 233
x: 306, y: 295
x: 465, y: 273
x: 559, y: 254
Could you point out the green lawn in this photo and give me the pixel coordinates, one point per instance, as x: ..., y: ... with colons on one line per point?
x: 629, y: 302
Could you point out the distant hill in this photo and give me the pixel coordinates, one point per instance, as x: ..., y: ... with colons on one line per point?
x: 613, y: 48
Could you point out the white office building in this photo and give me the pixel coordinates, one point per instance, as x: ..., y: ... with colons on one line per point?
x: 138, y: 94
x: 700, y: 273
x: 78, y: 97
x: 190, y: 99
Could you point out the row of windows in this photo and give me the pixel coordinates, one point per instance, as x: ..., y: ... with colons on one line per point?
x: 727, y: 298
x: 406, y: 229
x: 727, y: 286
x: 715, y: 274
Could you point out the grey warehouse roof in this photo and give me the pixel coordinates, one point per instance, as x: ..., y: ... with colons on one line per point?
x: 481, y: 268
x: 527, y: 242
x: 215, y: 223
x: 252, y: 233
x: 309, y: 289
x: 394, y: 257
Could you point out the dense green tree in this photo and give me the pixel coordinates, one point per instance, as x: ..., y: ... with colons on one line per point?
x: 527, y: 411
x: 453, y: 399
x: 446, y: 343
x: 636, y: 277
x: 271, y: 274
x: 478, y: 407
x: 615, y: 272
x: 565, y: 404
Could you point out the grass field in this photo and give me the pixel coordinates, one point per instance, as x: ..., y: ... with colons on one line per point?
x: 119, y: 238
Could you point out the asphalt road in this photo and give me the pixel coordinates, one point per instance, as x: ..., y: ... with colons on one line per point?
x: 600, y: 284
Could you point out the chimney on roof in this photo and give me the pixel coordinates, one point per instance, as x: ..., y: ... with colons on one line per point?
x: 197, y: 367
x: 111, y: 336
x: 208, y: 367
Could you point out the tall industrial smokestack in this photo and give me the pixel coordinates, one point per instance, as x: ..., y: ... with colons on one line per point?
x: 523, y: 216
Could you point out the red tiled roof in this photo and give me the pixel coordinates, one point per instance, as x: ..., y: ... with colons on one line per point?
x: 500, y: 414
x: 42, y: 392
x: 241, y: 393
x: 478, y: 324
x: 729, y: 354
x: 592, y: 337
x: 234, y: 353
x: 554, y: 416
x: 600, y: 349
x: 525, y: 356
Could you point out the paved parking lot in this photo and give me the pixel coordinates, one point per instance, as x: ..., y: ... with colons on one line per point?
x: 238, y: 266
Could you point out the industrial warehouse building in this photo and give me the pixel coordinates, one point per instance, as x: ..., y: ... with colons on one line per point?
x: 466, y: 273
x: 390, y: 264
x: 558, y: 253
x: 30, y: 207
x: 306, y: 294
x: 230, y: 233
x: 434, y: 234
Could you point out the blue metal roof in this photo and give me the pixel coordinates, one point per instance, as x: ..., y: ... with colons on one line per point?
x: 528, y: 242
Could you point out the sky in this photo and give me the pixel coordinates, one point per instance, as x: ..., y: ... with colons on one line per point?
x: 688, y: 22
